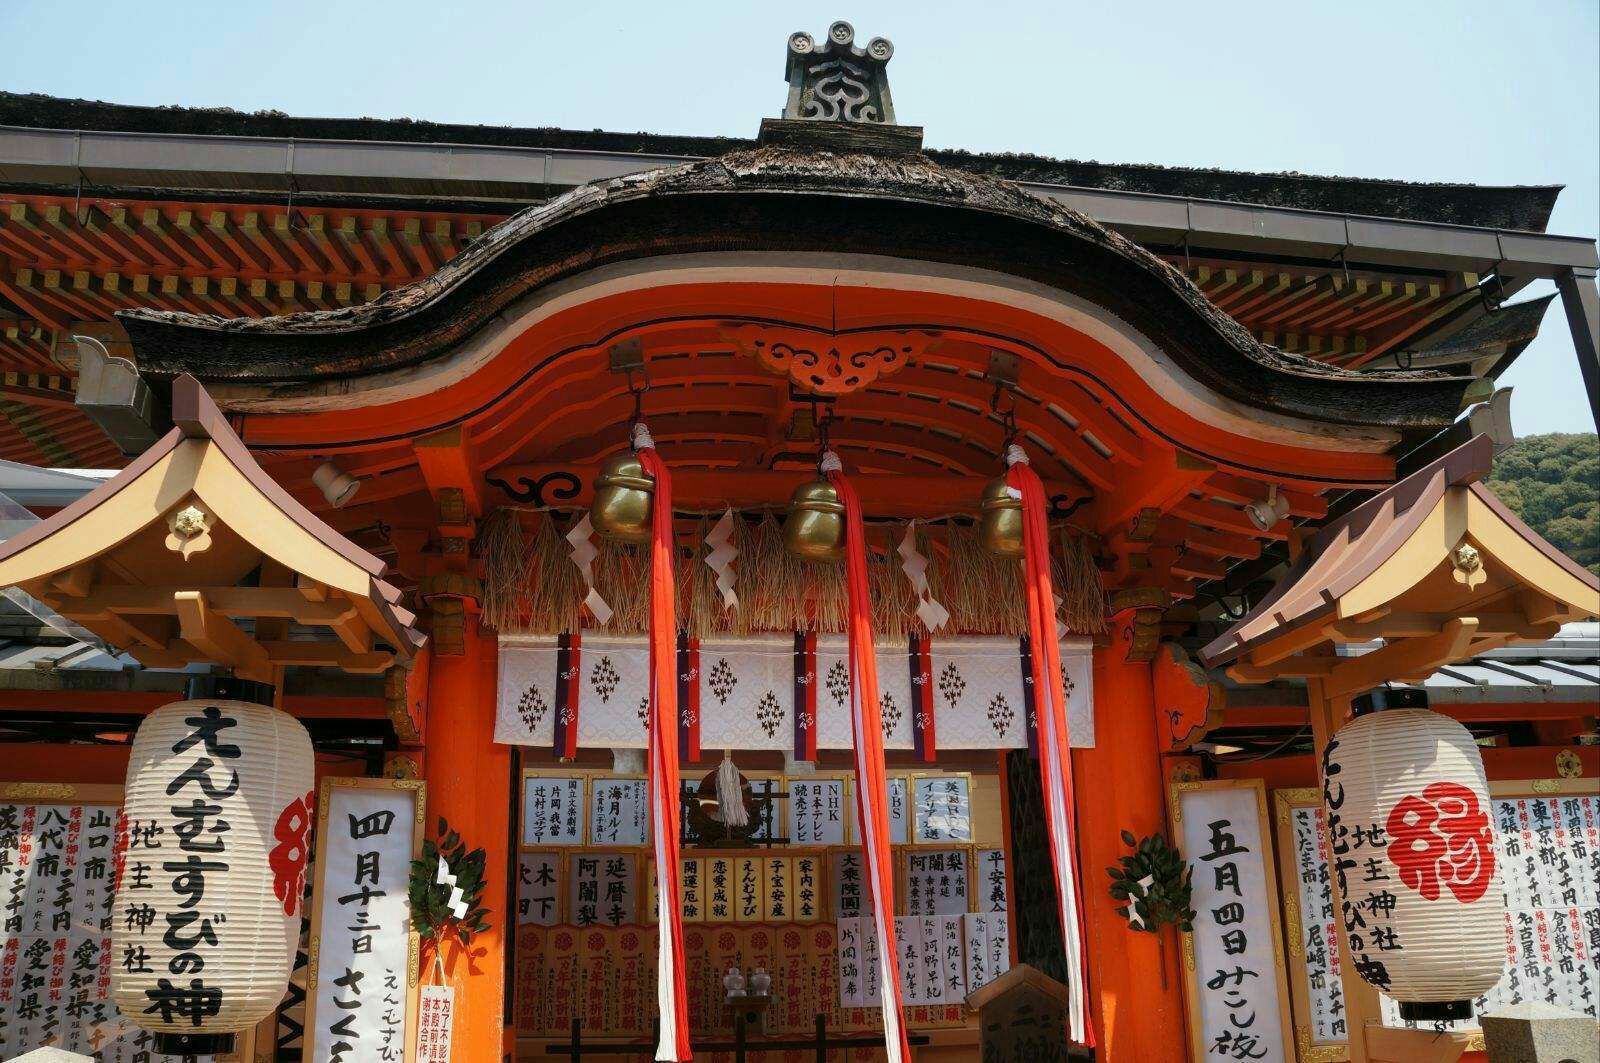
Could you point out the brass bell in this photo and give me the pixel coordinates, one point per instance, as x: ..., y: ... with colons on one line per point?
x: 623, y: 496
x: 814, y: 528
x: 1000, y: 526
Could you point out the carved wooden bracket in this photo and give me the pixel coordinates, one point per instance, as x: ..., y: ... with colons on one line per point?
x: 405, y: 698
x: 1137, y: 612
x: 822, y: 363
x: 1188, y: 701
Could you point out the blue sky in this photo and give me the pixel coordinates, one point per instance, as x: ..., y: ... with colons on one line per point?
x: 1424, y: 90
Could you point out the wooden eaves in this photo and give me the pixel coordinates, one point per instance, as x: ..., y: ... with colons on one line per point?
x: 1436, y: 566
x: 167, y: 557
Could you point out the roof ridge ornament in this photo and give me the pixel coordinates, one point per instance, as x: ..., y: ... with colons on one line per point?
x: 838, y: 82
x: 839, y: 97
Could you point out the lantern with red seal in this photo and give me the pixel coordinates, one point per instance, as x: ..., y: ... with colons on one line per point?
x: 208, y: 898
x: 1412, y: 842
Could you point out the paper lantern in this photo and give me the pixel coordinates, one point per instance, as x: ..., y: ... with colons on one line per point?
x: 210, y: 870
x: 1411, y: 836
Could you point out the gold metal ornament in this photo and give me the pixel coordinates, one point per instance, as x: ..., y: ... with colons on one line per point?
x: 1000, y: 523
x: 814, y: 528
x: 623, y: 496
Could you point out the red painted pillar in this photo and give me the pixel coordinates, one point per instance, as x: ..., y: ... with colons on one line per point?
x: 1119, y: 787
x: 469, y: 783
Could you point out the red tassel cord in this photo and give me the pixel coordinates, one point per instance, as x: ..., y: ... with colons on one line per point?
x: 672, y: 999
x: 1055, y: 753
x: 872, y: 787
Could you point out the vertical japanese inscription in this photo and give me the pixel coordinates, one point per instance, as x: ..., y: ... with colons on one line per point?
x: 363, y: 928
x: 1236, y: 975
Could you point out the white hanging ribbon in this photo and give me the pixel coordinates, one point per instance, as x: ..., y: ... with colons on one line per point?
x: 721, y: 557
x: 457, y: 902
x: 933, y: 615
x: 583, y: 554
x: 1134, y: 918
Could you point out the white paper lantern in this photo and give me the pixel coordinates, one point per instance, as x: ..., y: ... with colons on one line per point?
x: 1411, y: 836
x: 210, y: 874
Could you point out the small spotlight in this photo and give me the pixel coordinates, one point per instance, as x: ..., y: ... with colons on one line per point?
x: 1265, y: 515
x: 336, y: 485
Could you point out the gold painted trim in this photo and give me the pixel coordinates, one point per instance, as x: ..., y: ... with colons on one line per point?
x: 55, y: 791
x: 1307, y: 1052
x: 1291, y: 927
x: 1545, y: 786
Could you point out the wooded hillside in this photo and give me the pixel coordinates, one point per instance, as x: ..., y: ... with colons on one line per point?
x: 1553, y: 482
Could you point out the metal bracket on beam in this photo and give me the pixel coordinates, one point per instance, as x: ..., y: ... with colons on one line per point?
x: 118, y: 399
x: 1002, y: 368
x: 626, y: 356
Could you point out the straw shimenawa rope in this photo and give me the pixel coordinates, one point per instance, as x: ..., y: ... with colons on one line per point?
x: 531, y: 585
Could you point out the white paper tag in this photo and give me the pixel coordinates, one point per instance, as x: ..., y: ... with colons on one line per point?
x: 436, y: 1005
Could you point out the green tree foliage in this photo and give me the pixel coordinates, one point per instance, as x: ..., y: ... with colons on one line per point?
x: 1553, y: 482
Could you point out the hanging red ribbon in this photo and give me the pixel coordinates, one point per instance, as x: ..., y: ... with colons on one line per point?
x: 872, y: 786
x: 671, y: 999
x: 1055, y: 754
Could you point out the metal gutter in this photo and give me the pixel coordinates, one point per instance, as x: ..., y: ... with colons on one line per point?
x: 85, y: 159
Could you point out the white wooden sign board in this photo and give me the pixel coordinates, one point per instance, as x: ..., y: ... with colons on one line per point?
x: 1241, y: 1001
x: 363, y: 1001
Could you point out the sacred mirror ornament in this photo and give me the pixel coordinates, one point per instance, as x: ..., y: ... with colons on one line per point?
x: 209, y: 874
x: 1411, y: 833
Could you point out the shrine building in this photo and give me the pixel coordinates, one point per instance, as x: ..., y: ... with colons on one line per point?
x: 522, y: 594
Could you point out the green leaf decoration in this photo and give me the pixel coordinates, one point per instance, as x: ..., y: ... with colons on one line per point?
x: 430, y: 899
x: 1166, y: 899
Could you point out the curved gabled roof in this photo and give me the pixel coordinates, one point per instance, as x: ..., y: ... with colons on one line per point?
x: 781, y: 200
x: 1523, y: 207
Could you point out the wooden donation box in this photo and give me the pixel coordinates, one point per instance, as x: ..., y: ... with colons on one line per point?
x: 1022, y: 1017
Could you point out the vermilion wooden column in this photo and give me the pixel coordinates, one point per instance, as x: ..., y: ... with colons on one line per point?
x: 469, y: 783
x: 1119, y: 788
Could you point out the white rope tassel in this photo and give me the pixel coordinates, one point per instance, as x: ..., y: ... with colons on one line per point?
x: 830, y: 462
x: 932, y: 614
x: 1015, y: 455
x: 730, y: 796
x: 720, y: 560
x: 583, y: 554
x: 641, y: 436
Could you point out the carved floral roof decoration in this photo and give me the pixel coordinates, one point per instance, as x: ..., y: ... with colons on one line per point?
x: 781, y: 200
x: 165, y: 557
x: 828, y: 364
x: 1435, y: 565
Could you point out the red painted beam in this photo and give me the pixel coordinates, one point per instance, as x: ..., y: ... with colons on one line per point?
x: 141, y: 702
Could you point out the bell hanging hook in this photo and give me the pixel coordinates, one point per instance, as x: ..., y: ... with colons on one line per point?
x: 1006, y: 413
x: 824, y: 417
x: 637, y: 388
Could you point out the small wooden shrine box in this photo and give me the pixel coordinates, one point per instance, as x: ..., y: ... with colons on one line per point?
x: 1022, y: 1017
